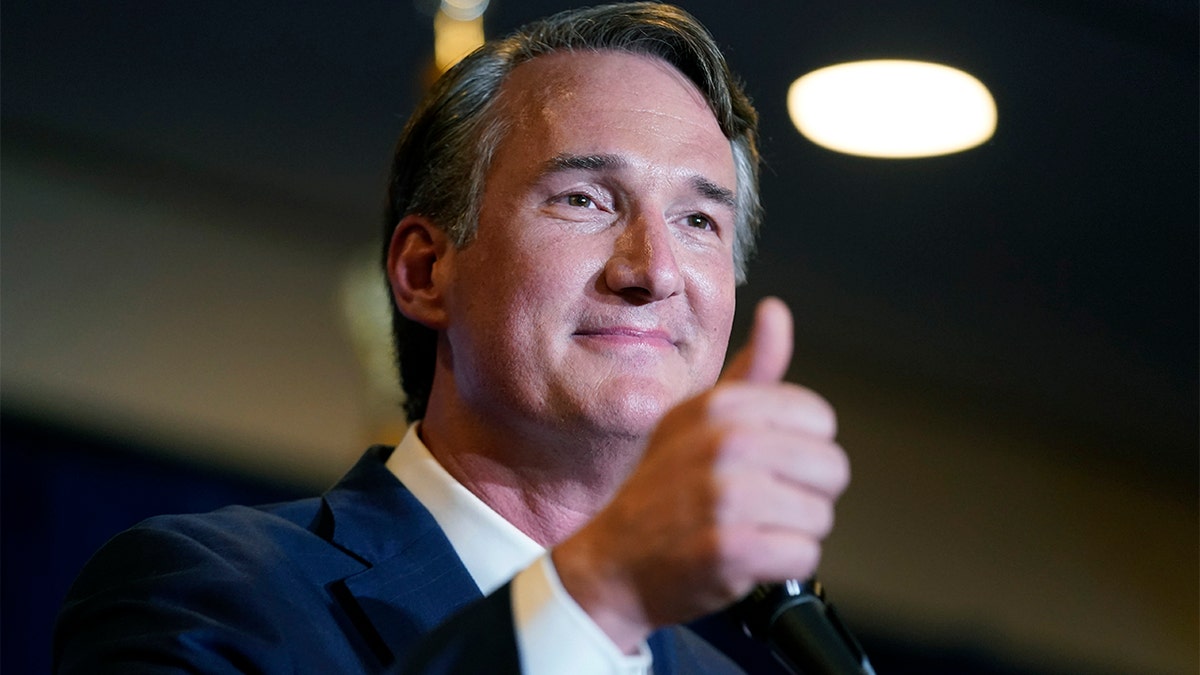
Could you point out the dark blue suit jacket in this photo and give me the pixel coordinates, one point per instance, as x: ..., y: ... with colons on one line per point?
x: 360, y: 580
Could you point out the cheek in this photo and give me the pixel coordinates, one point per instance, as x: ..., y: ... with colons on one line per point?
x: 714, y: 301
x: 549, y: 274
x: 513, y: 292
x: 712, y: 288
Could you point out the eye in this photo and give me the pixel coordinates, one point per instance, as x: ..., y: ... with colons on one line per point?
x: 580, y: 200
x: 699, y: 221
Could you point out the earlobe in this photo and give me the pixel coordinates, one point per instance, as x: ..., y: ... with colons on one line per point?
x: 417, y: 248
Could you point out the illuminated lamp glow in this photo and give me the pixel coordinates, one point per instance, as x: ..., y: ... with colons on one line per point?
x: 454, y: 38
x: 464, y: 10
x: 893, y: 109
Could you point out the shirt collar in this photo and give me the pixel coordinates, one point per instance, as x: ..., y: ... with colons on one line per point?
x: 491, y: 548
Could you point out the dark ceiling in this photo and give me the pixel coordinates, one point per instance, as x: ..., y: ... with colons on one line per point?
x: 1053, y: 270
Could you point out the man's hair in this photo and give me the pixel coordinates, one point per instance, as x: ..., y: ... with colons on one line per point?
x: 444, y: 153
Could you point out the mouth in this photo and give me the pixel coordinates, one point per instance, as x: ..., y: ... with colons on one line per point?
x: 627, y: 336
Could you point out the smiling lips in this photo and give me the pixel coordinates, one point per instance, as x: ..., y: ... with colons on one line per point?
x: 627, y: 336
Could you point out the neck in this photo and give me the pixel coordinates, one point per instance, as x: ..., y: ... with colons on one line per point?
x: 547, y: 484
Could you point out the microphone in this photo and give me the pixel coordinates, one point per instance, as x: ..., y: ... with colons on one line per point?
x: 803, y: 631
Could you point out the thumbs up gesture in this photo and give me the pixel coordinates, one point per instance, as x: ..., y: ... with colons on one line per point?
x: 736, y: 488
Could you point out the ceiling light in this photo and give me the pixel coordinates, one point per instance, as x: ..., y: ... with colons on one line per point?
x: 454, y: 38
x: 893, y: 109
x: 464, y: 10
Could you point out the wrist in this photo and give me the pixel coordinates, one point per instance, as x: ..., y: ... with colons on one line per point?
x: 603, y: 591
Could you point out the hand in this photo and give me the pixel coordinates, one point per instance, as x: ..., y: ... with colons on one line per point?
x: 736, y: 488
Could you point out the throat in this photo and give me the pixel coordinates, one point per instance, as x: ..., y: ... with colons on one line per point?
x: 548, y: 495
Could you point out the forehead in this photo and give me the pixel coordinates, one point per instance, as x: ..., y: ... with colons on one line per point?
x: 612, y: 102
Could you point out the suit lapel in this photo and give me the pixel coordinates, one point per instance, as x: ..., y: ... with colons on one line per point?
x: 413, y: 580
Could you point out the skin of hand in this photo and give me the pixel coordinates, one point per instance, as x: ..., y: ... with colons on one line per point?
x: 737, y: 487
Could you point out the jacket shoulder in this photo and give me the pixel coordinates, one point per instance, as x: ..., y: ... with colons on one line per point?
x: 213, y: 591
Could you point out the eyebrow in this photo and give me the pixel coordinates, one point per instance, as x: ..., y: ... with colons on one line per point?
x: 711, y: 190
x: 570, y: 162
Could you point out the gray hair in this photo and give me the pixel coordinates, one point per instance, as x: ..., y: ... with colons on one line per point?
x: 444, y: 153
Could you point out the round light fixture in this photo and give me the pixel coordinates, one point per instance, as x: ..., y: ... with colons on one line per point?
x: 894, y: 109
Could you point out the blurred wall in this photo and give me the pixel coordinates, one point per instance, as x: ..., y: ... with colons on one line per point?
x: 153, y: 304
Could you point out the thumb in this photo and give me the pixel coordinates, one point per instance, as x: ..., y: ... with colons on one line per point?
x: 766, y: 355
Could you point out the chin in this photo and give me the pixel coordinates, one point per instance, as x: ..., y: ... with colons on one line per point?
x: 629, y: 415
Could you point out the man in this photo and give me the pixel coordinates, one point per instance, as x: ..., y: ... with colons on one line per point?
x: 570, y: 211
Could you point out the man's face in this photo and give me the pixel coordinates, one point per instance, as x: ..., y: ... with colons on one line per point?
x: 599, y: 290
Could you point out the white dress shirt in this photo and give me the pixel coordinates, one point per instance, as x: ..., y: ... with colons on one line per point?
x: 554, y: 634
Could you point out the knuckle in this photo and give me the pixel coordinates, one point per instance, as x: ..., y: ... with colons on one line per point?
x: 823, y: 517
x: 821, y: 412
x: 809, y: 558
x: 840, y: 469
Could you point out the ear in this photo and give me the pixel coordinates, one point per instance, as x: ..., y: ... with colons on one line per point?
x: 417, y: 249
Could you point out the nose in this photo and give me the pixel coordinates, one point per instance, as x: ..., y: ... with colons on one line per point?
x: 643, y: 266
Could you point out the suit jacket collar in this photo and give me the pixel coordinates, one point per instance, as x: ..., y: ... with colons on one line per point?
x: 413, y: 579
